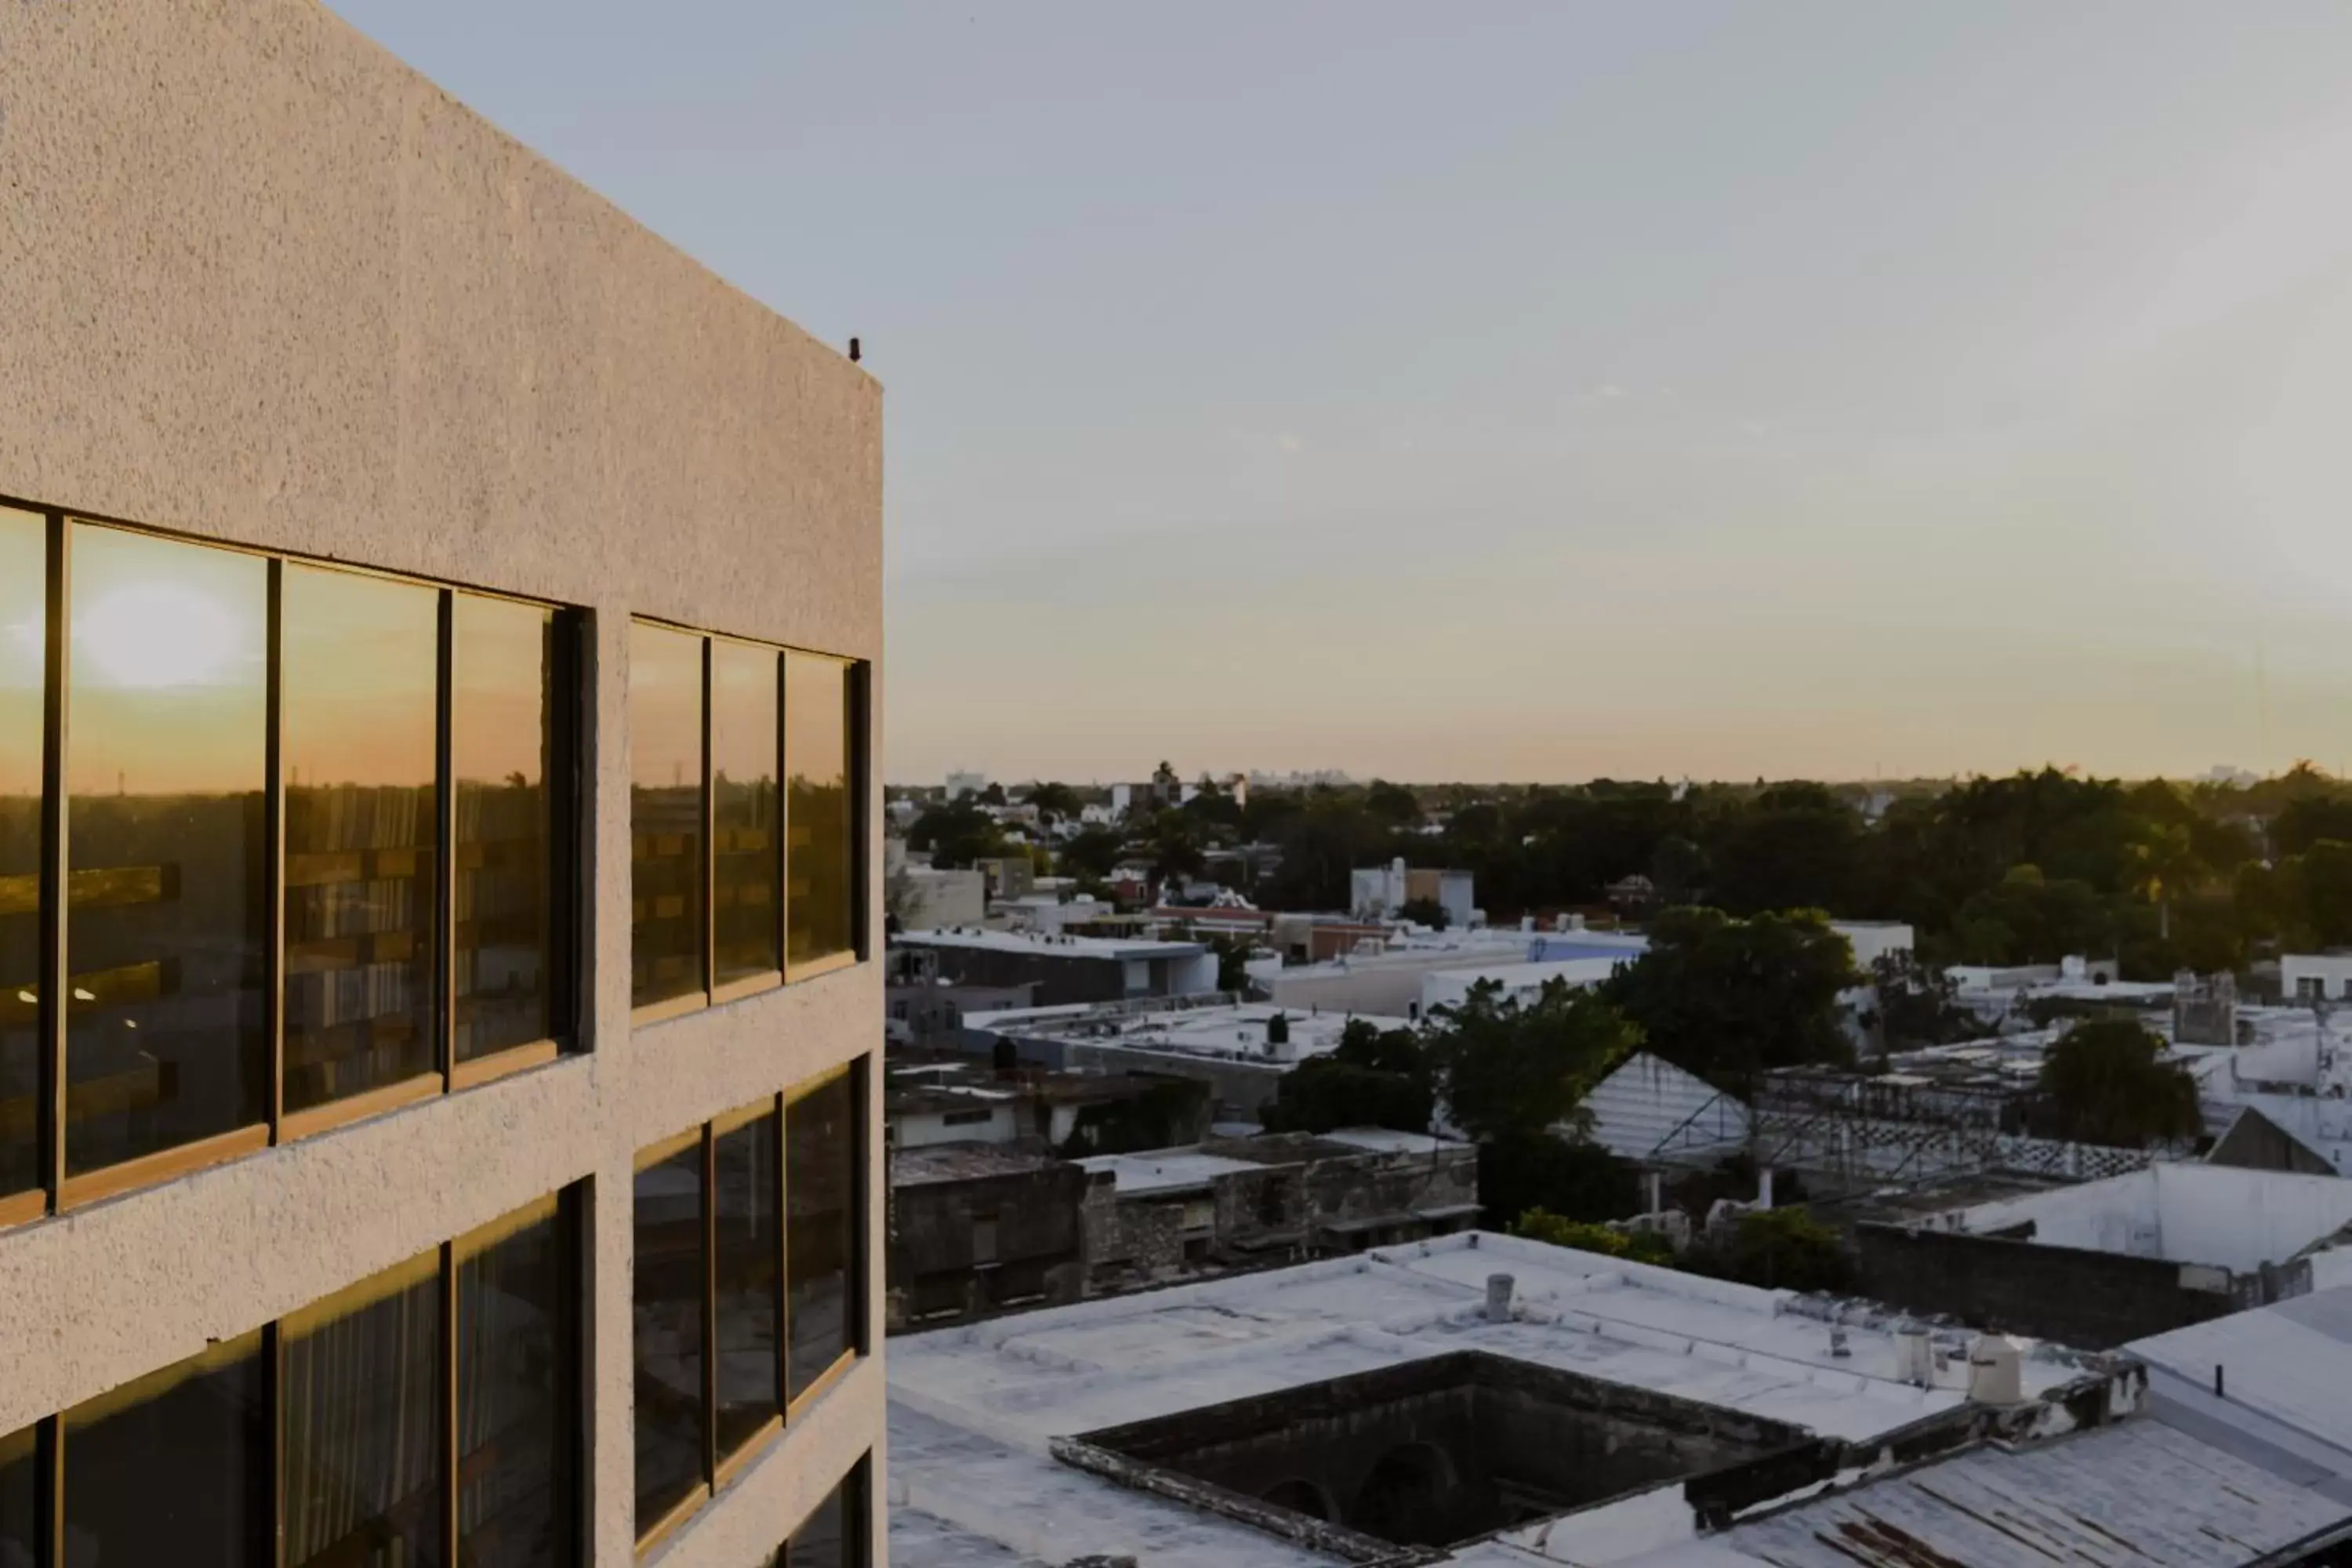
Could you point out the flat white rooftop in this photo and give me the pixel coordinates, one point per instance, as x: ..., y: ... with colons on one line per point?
x: 1049, y: 945
x: 2181, y: 1212
x: 974, y: 1408
x: 1232, y: 1032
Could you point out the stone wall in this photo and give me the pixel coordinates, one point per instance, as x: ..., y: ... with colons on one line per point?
x: 938, y: 1276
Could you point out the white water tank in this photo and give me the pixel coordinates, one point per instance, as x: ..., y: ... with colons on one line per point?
x: 1996, y: 1370
x: 1915, y: 1361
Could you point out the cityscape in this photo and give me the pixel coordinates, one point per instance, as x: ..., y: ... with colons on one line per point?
x: 1247, y: 787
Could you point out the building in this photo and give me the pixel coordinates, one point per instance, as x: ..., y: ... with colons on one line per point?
x: 1243, y: 1203
x: 963, y: 784
x: 957, y: 1099
x: 1382, y: 893
x: 387, y: 518
x: 1482, y: 1400
x: 924, y: 1013
x: 2316, y: 976
x: 2104, y: 1263
x: 1241, y: 1050
x: 981, y: 1228
x: 1069, y: 969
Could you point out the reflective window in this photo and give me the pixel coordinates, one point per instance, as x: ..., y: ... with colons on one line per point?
x: 665, y: 815
x: 19, y: 1498
x: 747, y: 890
x: 750, y: 1274
x: 361, y: 1407
x: 501, y: 740
x: 518, y: 1421
x: 672, y: 1452
x: 836, y: 1533
x: 174, y: 1468
x: 24, y: 642
x: 821, y: 900
x: 361, y: 661
x: 166, y: 771
x: 823, y: 1243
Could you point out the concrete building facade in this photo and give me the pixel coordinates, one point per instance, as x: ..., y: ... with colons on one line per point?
x: 313, y: 1066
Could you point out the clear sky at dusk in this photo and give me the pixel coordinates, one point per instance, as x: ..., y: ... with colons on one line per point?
x: 1537, y: 391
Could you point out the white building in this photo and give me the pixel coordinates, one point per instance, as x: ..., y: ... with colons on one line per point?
x: 963, y: 784
x: 2316, y: 976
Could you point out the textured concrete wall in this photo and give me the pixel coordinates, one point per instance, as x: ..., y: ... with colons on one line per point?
x: 2092, y: 1300
x: 267, y: 286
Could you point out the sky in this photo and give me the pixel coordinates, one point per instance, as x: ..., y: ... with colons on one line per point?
x: 1536, y: 392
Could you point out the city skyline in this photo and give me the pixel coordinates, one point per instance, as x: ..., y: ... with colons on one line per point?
x: 1549, y: 394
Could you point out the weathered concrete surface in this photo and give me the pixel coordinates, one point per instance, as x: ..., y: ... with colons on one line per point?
x: 267, y: 286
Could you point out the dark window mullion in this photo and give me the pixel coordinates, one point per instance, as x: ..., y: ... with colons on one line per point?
x: 53, y: 984
x: 783, y: 1267
x: 783, y: 856
x: 273, y: 818
x: 273, y: 1362
x: 444, y: 850
x: 710, y: 1305
x: 710, y: 835
x: 50, y: 1508
x: 448, y: 1391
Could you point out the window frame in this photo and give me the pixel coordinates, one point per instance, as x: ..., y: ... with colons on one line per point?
x: 856, y: 738
x: 718, y: 1468
x: 61, y: 1193
x: 566, y: 1207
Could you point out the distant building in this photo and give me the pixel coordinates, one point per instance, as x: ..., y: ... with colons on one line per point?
x: 1241, y: 1050
x: 1068, y: 970
x: 1382, y: 893
x: 981, y: 1228
x: 963, y: 784
x: 1240, y: 1203
x: 946, y: 1099
x: 2309, y: 977
x: 2106, y: 1262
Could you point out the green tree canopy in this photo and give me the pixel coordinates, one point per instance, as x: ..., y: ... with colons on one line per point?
x: 2106, y: 1084
x: 1375, y: 1079
x: 957, y: 834
x: 1514, y: 1069
x: 1728, y: 999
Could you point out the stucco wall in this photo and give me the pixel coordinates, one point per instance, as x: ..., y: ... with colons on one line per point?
x: 265, y: 285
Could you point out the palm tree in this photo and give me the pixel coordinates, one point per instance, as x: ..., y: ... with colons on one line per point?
x: 2164, y: 866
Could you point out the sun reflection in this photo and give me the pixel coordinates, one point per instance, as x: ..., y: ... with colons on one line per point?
x: 157, y: 635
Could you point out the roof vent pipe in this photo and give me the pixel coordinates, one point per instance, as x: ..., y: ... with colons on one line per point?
x: 1499, y: 1298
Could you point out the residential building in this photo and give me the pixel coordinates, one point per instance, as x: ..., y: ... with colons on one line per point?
x: 1222, y: 1203
x: 944, y: 1099
x: 1486, y: 1400
x: 981, y: 1228
x: 1068, y: 970
x: 1241, y: 1050
x: 2315, y: 977
x: 963, y: 784
x: 2104, y: 1263
x: 1382, y: 893
x: 388, y: 522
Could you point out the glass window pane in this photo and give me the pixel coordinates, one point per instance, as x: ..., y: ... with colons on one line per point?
x: 665, y: 815
x: 360, y: 660
x: 501, y: 708
x: 362, y: 1405
x: 165, y: 773
x: 748, y: 890
x: 24, y: 645
x: 668, y: 1288
x: 751, y: 1280
x: 19, y: 1499
x: 518, y: 1421
x: 835, y: 1535
x: 823, y: 1240
x: 174, y: 1468
x: 820, y: 899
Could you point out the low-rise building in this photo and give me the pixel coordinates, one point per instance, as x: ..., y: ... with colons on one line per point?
x: 948, y: 1098
x: 1068, y: 969
x: 1241, y: 1050
x: 1245, y: 1202
x: 2102, y: 1263
x: 981, y: 1228
x: 2310, y: 978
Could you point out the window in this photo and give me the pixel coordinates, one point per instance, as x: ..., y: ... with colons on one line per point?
x: 361, y: 732
x: 272, y: 925
x: 23, y: 619
x: 824, y: 1241
x: 838, y: 1533
x: 666, y: 807
x: 745, y: 771
x: 364, y: 1478
x: 819, y: 820
x: 745, y: 1286
x: 351, y: 1397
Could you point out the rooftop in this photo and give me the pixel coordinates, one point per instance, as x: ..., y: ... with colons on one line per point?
x: 962, y: 1162
x: 1048, y: 944
x: 2213, y: 1215
x: 977, y: 1410
x: 1223, y: 1030
x: 1197, y: 1165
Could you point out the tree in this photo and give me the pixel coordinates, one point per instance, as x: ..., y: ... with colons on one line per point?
x: 1520, y: 1068
x: 957, y: 834
x: 1176, y: 851
x: 1425, y: 911
x: 2165, y: 866
x: 1728, y: 999
x: 1093, y: 852
x: 1918, y: 1005
x: 2106, y: 1083
x: 1393, y: 804
x: 1054, y: 802
x: 1798, y: 847
x: 1375, y: 1079
x: 1775, y: 1249
x: 1558, y: 1230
